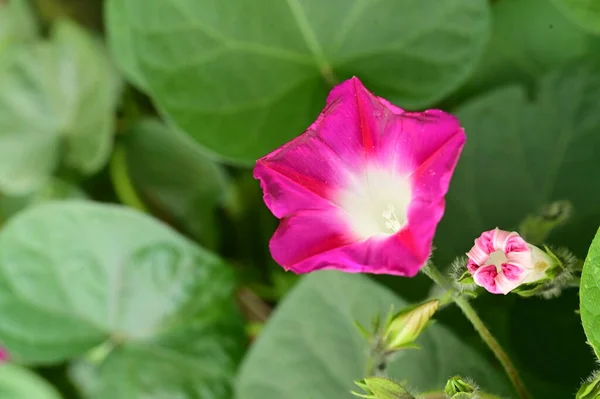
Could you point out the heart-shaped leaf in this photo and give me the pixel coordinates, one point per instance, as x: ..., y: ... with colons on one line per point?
x: 548, y: 148
x: 589, y: 292
x: 76, y: 276
x: 174, y: 175
x: 60, y: 93
x: 311, y: 348
x: 244, y: 76
x: 529, y: 39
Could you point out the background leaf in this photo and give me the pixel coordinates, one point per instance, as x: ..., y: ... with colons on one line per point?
x: 529, y: 39
x: 120, y: 42
x: 253, y: 83
x: 55, y: 189
x: 310, y: 347
x: 174, y: 175
x: 584, y: 12
x: 76, y: 275
x: 547, y: 147
x: 17, y: 23
x: 19, y: 383
x: 54, y: 94
x: 589, y: 293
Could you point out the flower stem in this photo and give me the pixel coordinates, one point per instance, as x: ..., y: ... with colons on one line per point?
x: 471, y: 314
x: 377, y: 362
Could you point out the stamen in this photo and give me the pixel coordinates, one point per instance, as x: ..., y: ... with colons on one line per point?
x: 391, y: 220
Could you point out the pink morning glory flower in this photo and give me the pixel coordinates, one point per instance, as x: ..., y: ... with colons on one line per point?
x: 3, y: 355
x: 362, y: 190
x: 501, y: 261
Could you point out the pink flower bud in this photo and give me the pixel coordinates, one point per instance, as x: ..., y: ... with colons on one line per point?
x: 500, y: 261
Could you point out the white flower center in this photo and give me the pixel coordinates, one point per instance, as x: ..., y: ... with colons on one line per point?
x: 497, y: 258
x: 376, y: 202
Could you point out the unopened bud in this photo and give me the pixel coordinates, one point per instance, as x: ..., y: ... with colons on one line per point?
x: 501, y: 261
x: 381, y: 388
x: 590, y: 389
x: 458, y: 388
x: 403, y: 328
x: 536, y: 228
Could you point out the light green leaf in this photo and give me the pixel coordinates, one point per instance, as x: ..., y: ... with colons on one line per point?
x: 19, y: 383
x: 60, y: 93
x: 76, y: 276
x: 584, y: 12
x: 17, y: 23
x: 55, y: 190
x: 589, y: 293
x: 242, y: 86
x: 547, y: 152
x: 529, y: 39
x: 310, y: 347
x: 175, y: 176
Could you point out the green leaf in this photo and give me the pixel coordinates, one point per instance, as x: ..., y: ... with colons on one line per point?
x: 242, y: 86
x: 589, y: 293
x: 548, y: 151
x: 584, y: 12
x: 53, y: 95
x: 120, y: 43
x: 55, y: 190
x: 17, y: 23
x: 77, y: 276
x: 19, y: 383
x: 529, y: 38
x: 310, y: 347
x: 174, y: 175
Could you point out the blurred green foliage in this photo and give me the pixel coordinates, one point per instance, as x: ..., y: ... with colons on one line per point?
x: 162, y: 106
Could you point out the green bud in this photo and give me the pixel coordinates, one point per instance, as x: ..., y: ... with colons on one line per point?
x: 381, y: 388
x: 590, y: 390
x: 403, y: 328
x: 536, y: 228
x: 458, y: 388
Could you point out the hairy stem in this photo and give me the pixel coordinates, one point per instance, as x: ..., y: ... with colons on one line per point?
x: 471, y: 314
x: 377, y: 361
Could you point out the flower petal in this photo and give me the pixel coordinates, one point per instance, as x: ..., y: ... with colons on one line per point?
x: 305, y: 235
x: 423, y: 218
x: 486, y: 277
x: 299, y: 176
x: 431, y: 180
x: 353, y: 122
x: 482, y: 249
x: 510, y: 278
x: 417, y: 136
x: 393, y: 255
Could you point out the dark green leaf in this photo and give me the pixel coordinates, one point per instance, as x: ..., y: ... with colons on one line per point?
x: 173, y: 174
x: 529, y: 38
x: 310, y: 348
x: 19, y: 383
x: 521, y: 155
x: 590, y: 296
x: 76, y: 276
x: 52, y: 94
x: 243, y: 85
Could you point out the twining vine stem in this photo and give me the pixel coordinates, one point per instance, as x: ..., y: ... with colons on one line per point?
x: 471, y: 314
